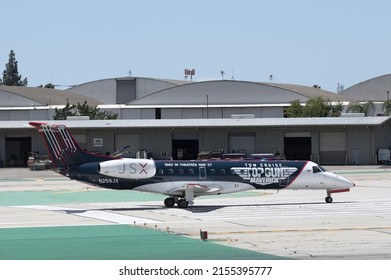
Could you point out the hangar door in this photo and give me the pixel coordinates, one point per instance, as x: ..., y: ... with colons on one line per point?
x: 242, y: 143
x: 17, y: 150
x: 332, y: 148
x: 185, y: 146
x: 129, y: 142
x: 297, y: 145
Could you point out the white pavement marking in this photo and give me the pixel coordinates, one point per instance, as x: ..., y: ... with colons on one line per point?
x: 115, y: 218
x: 93, y: 214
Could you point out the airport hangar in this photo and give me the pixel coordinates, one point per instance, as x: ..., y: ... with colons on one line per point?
x: 178, y: 119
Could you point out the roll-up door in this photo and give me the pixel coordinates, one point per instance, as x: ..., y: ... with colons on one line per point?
x: 297, y: 145
x: 242, y: 143
x: 332, y: 147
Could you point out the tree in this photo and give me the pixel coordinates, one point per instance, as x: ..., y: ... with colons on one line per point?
x: 49, y: 85
x: 62, y: 114
x: 295, y: 110
x: 11, y: 75
x: 387, y: 107
x: 94, y: 112
x: 361, y: 108
x: 83, y: 110
x: 314, y: 107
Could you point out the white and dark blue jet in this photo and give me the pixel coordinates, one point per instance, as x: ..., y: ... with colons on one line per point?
x: 182, y: 181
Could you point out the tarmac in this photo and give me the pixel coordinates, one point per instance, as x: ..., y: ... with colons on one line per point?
x: 45, y: 216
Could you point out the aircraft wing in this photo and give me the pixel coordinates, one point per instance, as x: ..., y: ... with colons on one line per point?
x: 197, y: 188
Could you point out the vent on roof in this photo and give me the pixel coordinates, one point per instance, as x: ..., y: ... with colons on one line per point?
x: 243, y: 116
x: 78, y: 118
x: 350, y: 115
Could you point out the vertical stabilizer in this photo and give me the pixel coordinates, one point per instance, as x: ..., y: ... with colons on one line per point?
x: 63, y: 150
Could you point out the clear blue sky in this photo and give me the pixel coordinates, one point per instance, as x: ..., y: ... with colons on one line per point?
x: 299, y: 42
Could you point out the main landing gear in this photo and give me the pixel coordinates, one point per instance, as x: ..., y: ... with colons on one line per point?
x: 170, y: 202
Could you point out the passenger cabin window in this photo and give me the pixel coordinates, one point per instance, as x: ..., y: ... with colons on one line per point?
x: 161, y: 171
x: 180, y: 171
x: 316, y: 169
x: 222, y: 171
x: 170, y: 171
x: 191, y: 171
x: 212, y: 172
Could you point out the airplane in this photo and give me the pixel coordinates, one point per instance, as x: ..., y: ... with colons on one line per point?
x: 181, y: 180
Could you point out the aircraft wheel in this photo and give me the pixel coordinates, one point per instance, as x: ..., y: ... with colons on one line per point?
x: 182, y: 203
x: 329, y: 199
x: 169, y: 202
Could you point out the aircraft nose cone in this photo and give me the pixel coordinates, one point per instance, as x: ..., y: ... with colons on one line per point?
x: 343, y: 182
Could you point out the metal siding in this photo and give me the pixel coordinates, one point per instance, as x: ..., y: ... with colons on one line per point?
x: 361, y: 139
x: 214, y: 139
x: 315, y: 154
x: 155, y: 140
x: 131, y: 140
x: 212, y: 113
x: 228, y: 112
x: 37, y: 144
x: 188, y: 113
x: 127, y: 113
x: 268, y: 140
x: 4, y: 115
x: 20, y: 115
x: 171, y: 113
x: 148, y: 114
x: 38, y: 115
x: 273, y: 112
x: 125, y: 91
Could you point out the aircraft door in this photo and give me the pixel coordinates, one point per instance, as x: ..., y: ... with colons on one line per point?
x: 202, y: 172
x: 284, y: 182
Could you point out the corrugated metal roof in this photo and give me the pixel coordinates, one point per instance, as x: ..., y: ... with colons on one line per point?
x: 232, y: 92
x: 209, y: 123
x: 47, y: 96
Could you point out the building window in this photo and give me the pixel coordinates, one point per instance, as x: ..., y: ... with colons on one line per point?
x: 158, y: 113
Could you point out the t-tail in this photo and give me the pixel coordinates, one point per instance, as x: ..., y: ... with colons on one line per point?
x: 65, y: 153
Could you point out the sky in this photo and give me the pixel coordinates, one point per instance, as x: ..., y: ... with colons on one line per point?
x: 299, y: 42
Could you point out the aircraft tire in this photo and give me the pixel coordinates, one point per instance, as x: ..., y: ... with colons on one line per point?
x: 182, y: 203
x: 169, y: 202
x: 328, y: 199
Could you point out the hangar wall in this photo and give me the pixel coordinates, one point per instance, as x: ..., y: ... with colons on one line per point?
x: 361, y: 143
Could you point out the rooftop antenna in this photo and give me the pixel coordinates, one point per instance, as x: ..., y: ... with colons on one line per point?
x: 190, y: 73
x: 271, y: 78
x: 340, y: 88
x: 222, y: 74
x: 232, y: 78
x: 130, y: 73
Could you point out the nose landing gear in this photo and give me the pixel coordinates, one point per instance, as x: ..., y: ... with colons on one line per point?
x: 328, y: 199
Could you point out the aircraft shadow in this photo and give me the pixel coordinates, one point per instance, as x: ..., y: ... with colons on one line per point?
x: 204, y: 208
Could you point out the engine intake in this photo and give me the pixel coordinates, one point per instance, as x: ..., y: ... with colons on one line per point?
x: 128, y: 168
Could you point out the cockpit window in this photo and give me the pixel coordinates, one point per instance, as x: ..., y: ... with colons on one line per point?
x: 316, y: 169
x: 322, y: 168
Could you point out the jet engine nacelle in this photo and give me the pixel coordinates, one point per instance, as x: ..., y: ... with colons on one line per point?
x: 128, y: 168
